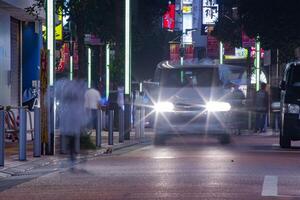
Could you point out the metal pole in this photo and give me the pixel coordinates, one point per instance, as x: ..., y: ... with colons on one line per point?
x: 37, y: 133
x: 142, y: 122
x: 2, y: 143
x: 77, y: 143
x: 99, y: 128
x: 127, y: 117
x: 121, y: 124
x: 137, y: 122
x: 110, y: 127
x: 22, y: 135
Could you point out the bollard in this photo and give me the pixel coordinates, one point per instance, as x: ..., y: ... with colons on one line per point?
x: 121, y: 124
x: 142, y: 134
x: 137, y: 123
x: 63, y: 143
x: 2, y: 137
x: 22, y: 135
x: 110, y: 127
x: 77, y: 143
x: 99, y: 128
x: 37, y: 133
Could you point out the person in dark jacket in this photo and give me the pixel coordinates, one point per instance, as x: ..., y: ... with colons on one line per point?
x: 237, y: 97
x: 261, y: 105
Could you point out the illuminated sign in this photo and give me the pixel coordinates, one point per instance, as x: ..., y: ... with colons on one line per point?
x: 253, y: 53
x: 187, y: 1
x: 169, y: 18
x: 240, y: 53
x: 59, y: 26
x: 210, y: 12
x: 187, y: 9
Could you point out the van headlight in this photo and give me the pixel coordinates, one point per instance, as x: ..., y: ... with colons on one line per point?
x: 216, y: 106
x: 164, y: 107
x: 293, y: 109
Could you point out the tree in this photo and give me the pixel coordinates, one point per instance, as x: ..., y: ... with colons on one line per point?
x: 105, y: 19
x: 276, y: 22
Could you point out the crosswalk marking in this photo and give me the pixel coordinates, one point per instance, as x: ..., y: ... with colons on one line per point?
x: 270, y: 186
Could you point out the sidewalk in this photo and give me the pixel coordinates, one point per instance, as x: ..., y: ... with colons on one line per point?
x: 269, y: 132
x: 14, y: 167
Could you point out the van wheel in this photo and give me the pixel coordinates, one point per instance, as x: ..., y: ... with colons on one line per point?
x: 224, y: 139
x: 159, y: 139
x: 284, y: 140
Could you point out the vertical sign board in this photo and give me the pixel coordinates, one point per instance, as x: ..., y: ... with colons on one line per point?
x: 43, y: 95
x: 169, y: 18
x: 210, y: 12
x: 187, y: 14
x: 178, y: 15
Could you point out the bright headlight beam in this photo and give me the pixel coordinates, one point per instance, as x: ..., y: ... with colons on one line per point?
x: 164, y: 107
x: 215, y: 106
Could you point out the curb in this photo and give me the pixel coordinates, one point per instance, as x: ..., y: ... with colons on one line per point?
x: 26, y: 168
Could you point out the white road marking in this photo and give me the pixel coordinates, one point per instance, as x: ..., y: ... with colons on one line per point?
x: 270, y: 187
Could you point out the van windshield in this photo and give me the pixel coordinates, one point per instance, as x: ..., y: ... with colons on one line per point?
x: 190, y: 77
x: 294, y: 76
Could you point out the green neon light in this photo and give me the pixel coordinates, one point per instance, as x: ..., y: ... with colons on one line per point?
x: 51, y: 39
x: 71, y: 68
x: 257, y: 63
x: 107, y: 70
x: 141, y: 87
x: 89, y: 68
x: 221, y: 53
x: 127, y: 48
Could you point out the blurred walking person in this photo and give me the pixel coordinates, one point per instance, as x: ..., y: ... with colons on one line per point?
x: 72, y: 114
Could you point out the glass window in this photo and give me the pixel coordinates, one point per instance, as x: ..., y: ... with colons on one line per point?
x: 190, y: 77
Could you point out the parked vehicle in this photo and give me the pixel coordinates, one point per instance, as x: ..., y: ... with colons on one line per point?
x: 290, y: 105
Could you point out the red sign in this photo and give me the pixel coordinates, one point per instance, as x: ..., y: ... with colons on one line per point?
x: 253, y: 52
x: 64, y: 58
x: 212, y: 47
x: 189, y: 51
x: 169, y: 18
x: 174, y: 51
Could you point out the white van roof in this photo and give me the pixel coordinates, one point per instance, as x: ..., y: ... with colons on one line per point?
x: 195, y: 63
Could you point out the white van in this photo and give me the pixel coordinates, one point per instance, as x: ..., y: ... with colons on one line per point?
x: 192, y: 98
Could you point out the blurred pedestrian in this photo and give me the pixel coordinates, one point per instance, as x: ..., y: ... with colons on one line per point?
x: 261, y: 105
x: 72, y: 113
x: 92, y: 99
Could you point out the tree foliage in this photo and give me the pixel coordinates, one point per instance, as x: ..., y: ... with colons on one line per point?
x: 276, y: 22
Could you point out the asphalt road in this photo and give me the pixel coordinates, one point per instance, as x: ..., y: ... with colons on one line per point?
x: 250, y: 167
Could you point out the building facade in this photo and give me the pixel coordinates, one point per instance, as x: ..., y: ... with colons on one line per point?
x: 20, y: 44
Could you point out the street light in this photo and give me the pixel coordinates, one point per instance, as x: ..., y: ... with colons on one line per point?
x: 50, y: 143
x: 127, y: 70
x: 127, y: 48
x: 51, y: 39
x: 221, y: 53
x: 257, y: 62
x: 107, y: 70
x: 89, y: 67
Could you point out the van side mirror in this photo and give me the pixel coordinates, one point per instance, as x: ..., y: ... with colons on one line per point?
x: 282, y: 85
